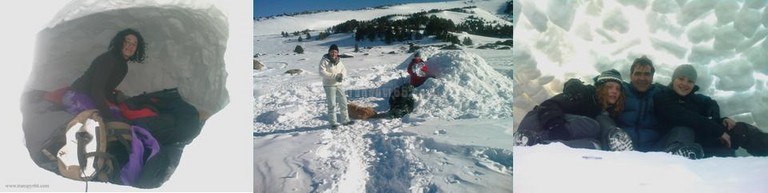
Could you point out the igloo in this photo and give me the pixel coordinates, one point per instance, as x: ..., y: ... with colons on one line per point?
x: 186, y: 42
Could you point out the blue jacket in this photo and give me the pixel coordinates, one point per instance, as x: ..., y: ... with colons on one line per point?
x: 638, y: 118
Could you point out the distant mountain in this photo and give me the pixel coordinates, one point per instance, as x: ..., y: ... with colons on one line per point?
x: 489, y: 10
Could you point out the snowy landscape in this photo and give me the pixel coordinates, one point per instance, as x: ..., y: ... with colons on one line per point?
x: 458, y: 139
x: 726, y: 42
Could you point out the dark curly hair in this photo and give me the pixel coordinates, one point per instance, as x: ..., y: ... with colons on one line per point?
x: 116, y: 45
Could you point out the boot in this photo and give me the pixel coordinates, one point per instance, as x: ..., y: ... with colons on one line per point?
x: 750, y: 138
x: 688, y: 150
x: 528, y: 137
x: 618, y: 140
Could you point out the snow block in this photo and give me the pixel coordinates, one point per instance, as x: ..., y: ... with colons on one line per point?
x: 665, y: 7
x: 734, y: 75
x: 747, y: 21
x: 726, y: 11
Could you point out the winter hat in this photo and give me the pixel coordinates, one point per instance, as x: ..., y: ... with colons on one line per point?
x: 333, y: 47
x: 685, y: 70
x: 417, y: 54
x: 608, y: 75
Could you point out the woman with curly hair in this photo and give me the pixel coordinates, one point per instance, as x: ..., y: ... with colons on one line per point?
x: 582, y: 116
x: 96, y: 87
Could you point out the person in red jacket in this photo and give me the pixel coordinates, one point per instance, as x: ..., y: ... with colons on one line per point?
x: 418, y: 70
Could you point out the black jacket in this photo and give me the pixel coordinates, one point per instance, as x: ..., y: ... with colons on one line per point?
x: 101, y: 79
x: 577, y: 98
x: 696, y: 111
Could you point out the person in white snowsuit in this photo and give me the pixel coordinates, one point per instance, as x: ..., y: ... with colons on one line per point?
x: 332, y: 71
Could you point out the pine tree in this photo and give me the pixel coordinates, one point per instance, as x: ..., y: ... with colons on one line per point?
x: 467, y: 41
x: 371, y: 34
x: 389, y: 36
x: 300, y: 39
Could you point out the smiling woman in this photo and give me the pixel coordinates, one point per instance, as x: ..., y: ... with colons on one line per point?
x: 168, y: 55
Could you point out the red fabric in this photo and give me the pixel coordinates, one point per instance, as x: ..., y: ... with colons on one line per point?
x: 415, y: 79
x: 56, y: 95
x: 136, y: 114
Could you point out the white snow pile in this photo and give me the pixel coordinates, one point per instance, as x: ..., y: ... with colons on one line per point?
x: 725, y: 41
x: 465, y: 86
x: 558, y: 168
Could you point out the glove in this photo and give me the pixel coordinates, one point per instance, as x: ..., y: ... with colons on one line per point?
x: 557, y: 130
x: 339, y: 77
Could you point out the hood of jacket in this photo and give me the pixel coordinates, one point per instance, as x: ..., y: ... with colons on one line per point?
x: 331, y: 60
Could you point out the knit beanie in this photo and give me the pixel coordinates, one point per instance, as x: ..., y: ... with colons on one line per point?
x: 608, y: 75
x: 684, y: 70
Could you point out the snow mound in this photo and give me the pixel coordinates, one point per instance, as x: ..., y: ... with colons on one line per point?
x: 585, y: 170
x: 465, y: 87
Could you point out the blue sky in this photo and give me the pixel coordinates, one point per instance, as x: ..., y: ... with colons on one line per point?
x: 263, y: 8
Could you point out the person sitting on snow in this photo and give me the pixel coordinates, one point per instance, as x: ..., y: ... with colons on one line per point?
x: 579, y: 117
x: 639, y: 120
x: 96, y: 87
x: 332, y: 71
x: 417, y: 69
x: 679, y: 105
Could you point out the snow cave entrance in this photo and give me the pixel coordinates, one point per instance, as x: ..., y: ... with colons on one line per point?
x: 185, y: 42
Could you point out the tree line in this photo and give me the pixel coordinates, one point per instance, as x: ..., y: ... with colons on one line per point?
x: 414, y: 27
x: 418, y: 25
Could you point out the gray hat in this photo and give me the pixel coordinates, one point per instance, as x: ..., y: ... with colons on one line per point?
x: 684, y: 70
x: 608, y: 75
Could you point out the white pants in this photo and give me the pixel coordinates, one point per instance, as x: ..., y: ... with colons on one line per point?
x: 334, y: 95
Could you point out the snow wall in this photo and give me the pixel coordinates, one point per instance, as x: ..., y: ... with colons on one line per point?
x: 186, y: 41
x: 724, y: 39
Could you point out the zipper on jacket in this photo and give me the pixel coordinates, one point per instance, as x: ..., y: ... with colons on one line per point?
x: 640, y: 118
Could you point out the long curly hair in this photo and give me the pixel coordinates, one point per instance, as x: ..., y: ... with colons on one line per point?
x: 116, y: 45
x: 602, y: 99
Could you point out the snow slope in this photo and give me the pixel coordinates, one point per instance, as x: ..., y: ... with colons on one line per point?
x: 455, y: 141
x: 725, y: 42
x: 321, y: 21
